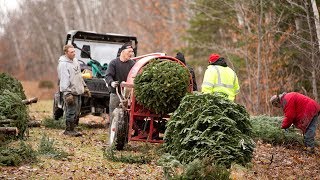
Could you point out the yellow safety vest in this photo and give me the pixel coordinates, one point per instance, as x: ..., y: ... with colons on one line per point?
x: 220, y: 79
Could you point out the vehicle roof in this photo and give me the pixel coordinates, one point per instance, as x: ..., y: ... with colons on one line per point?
x: 91, y: 35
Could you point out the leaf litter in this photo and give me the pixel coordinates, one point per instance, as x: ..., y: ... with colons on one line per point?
x: 86, y: 160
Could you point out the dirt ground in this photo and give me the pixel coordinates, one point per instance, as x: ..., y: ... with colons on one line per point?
x: 32, y: 89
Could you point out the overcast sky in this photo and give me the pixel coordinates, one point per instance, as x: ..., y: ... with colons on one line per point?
x: 8, y: 4
x: 5, y: 7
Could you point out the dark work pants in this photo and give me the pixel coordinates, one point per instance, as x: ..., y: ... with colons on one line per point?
x: 73, y: 111
x: 311, y: 132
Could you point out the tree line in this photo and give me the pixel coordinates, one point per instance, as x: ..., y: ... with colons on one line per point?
x: 272, y: 45
x: 34, y: 33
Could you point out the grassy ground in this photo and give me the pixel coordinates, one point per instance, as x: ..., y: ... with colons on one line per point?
x: 41, y: 109
x: 85, y: 161
x: 85, y: 158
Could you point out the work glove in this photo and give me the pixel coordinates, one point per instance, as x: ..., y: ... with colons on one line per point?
x: 114, y: 84
x: 87, y: 92
x: 69, y: 99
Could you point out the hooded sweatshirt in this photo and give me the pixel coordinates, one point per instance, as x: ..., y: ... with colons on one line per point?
x: 69, y: 74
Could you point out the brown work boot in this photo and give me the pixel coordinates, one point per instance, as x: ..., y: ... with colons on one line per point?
x: 70, y: 130
x: 76, y: 121
x: 74, y: 133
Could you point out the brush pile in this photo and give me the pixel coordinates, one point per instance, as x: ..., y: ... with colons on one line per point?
x: 13, y: 112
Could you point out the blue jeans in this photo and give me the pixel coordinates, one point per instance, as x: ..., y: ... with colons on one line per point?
x: 311, y: 132
x: 73, y: 111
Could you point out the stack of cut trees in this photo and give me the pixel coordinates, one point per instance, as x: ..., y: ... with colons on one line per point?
x: 13, y: 106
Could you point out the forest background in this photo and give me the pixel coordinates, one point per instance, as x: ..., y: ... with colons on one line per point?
x: 272, y: 45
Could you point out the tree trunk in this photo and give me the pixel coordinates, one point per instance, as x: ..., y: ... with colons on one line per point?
x: 78, y: 16
x: 313, y: 62
x: 34, y: 123
x: 13, y: 35
x: 46, y: 43
x: 9, y: 130
x: 259, y: 56
x: 317, y: 23
x: 64, y: 16
x: 316, y: 20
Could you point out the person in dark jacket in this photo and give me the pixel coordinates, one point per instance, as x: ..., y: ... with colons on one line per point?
x: 302, y: 112
x: 180, y: 56
x: 117, y: 72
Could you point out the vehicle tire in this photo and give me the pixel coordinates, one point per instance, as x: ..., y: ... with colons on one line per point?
x: 118, y: 136
x: 57, y: 112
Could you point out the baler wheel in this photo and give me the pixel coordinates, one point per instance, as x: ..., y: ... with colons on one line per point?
x: 119, y: 129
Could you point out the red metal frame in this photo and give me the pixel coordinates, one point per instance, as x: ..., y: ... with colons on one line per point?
x: 136, y: 111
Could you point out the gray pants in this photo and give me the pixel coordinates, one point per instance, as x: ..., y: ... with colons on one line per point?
x: 311, y: 132
x: 73, y: 111
x: 113, y: 104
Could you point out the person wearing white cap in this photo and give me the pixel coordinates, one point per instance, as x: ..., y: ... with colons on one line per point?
x: 302, y: 112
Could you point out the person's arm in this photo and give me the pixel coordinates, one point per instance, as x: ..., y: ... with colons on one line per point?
x: 236, y: 85
x: 286, y: 123
x: 289, y: 115
x: 110, y: 73
x: 64, y: 79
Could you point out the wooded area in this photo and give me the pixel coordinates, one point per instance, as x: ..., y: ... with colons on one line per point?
x: 34, y: 35
x: 272, y: 45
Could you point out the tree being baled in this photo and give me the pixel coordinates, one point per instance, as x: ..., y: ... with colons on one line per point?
x: 161, y: 85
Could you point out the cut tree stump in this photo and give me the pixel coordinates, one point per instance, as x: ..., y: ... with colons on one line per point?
x: 30, y: 101
x: 34, y: 123
x: 9, y: 130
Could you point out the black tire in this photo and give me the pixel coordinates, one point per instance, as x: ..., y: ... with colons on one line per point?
x: 119, y: 129
x: 57, y: 112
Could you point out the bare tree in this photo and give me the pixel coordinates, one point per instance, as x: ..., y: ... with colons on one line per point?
x: 317, y: 26
x: 309, y: 52
x: 45, y: 23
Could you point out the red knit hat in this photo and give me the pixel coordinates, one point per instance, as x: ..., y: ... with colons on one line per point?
x: 213, y: 58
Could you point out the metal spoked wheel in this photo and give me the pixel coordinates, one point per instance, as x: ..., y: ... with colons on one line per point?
x: 119, y: 129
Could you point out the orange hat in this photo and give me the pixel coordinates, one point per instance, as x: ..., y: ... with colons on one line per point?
x: 213, y: 58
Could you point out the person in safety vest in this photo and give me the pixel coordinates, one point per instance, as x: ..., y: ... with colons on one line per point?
x: 302, y: 112
x: 220, y: 78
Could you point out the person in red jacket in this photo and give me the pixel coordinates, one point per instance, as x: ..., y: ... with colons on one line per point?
x: 302, y: 112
